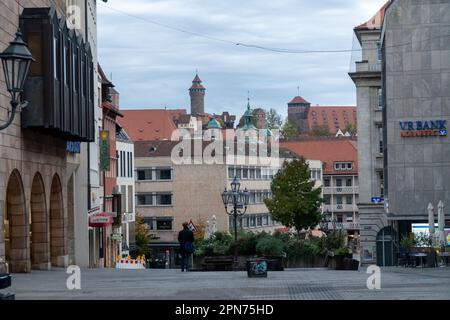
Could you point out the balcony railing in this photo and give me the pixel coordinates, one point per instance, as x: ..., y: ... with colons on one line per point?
x: 340, y: 208
x: 343, y: 225
x: 340, y: 190
x: 365, y: 66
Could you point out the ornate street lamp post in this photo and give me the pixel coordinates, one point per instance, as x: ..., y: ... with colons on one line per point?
x: 236, y: 203
x: 16, y: 60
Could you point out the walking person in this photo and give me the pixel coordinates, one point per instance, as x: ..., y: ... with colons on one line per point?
x: 186, y: 240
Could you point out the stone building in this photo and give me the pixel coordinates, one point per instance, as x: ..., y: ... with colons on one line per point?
x: 43, y: 221
x: 415, y: 73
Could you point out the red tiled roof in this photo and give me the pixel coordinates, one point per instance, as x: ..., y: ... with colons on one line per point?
x: 336, y: 118
x: 150, y: 124
x: 298, y: 100
x: 376, y: 22
x: 328, y: 151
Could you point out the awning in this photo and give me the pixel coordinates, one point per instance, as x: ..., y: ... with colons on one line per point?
x: 100, y: 220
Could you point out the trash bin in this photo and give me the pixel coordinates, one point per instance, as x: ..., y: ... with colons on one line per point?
x: 5, y: 282
x: 257, y: 268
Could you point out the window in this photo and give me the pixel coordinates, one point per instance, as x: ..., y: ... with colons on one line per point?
x: 338, y: 182
x: 239, y: 173
x: 327, y: 199
x: 379, y: 52
x: 252, y: 174
x: 349, y: 200
x: 339, y: 218
x: 252, y: 198
x: 164, y: 174
x: 144, y: 199
x: 327, y: 182
x: 380, y: 140
x: 339, y: 200
x: 252, y: 222
x: 164, y: 224
x: 231, y: 173
x: 245, y: 222
x: 258, y: 173
x: 117, y: 167
x: 380, y: 98
x: 265, y: 220
x: 164, y: 199
x: 343, y: 166
x: 349, y: 182
x: 349, y: 219
x: 244, y: 173
x: 259, y: 221
x: 144, y: 174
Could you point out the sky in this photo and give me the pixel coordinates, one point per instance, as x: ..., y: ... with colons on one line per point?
x: 152, y: 50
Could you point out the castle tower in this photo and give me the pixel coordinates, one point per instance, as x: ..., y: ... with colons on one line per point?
x: 197, y: 93
x: 298, y: 110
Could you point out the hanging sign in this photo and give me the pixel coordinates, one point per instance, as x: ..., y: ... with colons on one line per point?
x: 104, y: 151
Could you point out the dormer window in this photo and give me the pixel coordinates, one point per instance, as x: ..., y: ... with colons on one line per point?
x: 343, y: 166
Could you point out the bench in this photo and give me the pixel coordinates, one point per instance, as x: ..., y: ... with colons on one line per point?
x: 217, y: 264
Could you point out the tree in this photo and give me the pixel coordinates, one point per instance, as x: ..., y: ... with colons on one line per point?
x: 290, y: 129
x: 352, y: 129
x: 273, y: 119
x: 295, y: 201
x: 142, y: 236
x: 320, y: 131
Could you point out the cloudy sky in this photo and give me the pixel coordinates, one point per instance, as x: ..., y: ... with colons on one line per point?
x: 152, y: 66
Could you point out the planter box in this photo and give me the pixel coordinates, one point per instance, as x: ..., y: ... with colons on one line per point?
x: 307, y: 262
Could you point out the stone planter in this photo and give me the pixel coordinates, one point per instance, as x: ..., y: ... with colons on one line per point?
x: 307, y: 262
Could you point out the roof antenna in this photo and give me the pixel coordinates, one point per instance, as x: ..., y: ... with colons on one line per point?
x: 298, y: 91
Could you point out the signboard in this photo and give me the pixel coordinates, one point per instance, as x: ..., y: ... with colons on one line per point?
x: 192, y: 227
x: 100, y: 220
x: 413, y: 129
x: 104, y: 151
x: 377, y: 200
x: 116, y: 237
x: 73, y: 147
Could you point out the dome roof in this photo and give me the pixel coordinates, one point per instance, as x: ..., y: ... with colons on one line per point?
x: 214, y: 124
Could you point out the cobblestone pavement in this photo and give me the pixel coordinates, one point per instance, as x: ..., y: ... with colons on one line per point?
x: 297, y: 284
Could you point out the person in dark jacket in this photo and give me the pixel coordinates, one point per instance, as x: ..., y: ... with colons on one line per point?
x: 186, y: 240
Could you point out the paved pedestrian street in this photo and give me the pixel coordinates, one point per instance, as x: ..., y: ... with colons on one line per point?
x: 293, y: 284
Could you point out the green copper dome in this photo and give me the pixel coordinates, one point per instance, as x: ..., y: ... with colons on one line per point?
x: 214, y: 124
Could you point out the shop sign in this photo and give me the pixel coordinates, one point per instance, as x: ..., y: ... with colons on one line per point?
x: 413, y: 129
x: 73, y: 147
x: 100, y: 220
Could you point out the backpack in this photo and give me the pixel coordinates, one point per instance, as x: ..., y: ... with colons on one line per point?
x: 189, y: 247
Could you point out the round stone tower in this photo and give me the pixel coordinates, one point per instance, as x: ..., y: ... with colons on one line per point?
x: 197, y: 93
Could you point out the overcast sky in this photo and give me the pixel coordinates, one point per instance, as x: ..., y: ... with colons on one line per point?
x: 153, y: 66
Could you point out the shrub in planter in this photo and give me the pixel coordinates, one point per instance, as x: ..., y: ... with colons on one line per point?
x: 270, y: 246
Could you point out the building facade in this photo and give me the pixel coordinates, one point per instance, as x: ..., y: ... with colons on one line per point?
x: 40, y: 163
x: 126, y: 184
x: 415, y: 102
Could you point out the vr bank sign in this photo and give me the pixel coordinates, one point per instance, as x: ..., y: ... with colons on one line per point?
x: 411, y: 129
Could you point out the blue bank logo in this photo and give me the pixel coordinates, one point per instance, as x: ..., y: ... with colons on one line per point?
x: 434, y: 128
x: 377, y: 200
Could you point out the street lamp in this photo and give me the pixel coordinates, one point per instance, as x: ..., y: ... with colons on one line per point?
x: 16, y: 60
x: 236, y: 203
